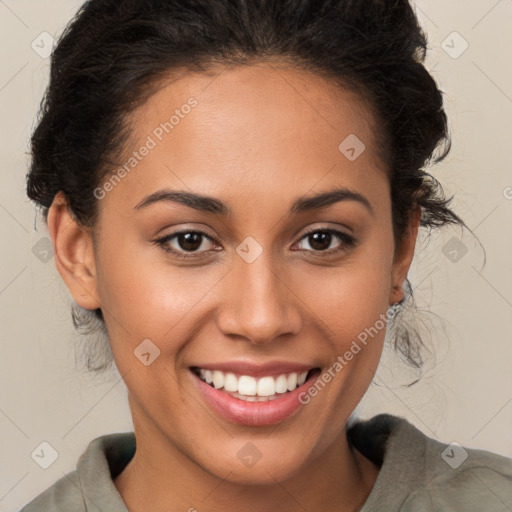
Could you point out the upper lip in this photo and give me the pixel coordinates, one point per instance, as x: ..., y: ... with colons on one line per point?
x: 271, y: 368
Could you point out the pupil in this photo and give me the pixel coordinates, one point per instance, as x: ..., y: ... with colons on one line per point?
x: 317, y: 240
x: 189, y: 241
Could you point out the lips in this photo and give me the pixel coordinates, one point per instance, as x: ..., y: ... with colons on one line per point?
x: 254, y: 395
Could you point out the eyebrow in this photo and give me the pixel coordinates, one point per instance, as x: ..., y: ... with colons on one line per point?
x: 213, y: 205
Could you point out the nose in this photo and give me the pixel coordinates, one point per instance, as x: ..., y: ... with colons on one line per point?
x: 258, y: 303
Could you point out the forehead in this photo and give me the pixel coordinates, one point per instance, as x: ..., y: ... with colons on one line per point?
x: 270, y: 96
x: 266, y: 126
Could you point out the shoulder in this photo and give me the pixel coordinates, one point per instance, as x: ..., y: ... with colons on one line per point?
x: 421, y: 473
x: 91, y: 485
x: 461, y: 478
x: 64, y: 494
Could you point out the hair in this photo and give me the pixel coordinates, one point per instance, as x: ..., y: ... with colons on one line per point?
x: 114, y: 55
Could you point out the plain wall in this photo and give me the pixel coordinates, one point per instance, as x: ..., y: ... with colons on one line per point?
x: 465, y: 394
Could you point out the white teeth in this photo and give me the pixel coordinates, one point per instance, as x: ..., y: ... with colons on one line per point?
x: 247, y: 385
x: 281, y: 384
x: 266, y: 386
x: 249, y: 388
x: 292, y: 381
x: 230, y: 382
x: 218, y: 379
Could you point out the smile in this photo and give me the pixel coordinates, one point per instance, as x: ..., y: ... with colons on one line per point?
x: 252, y: 389
x: 253, y: 400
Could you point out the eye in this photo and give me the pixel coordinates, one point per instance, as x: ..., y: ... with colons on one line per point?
x: 320, y: 241
x: 185, y: 244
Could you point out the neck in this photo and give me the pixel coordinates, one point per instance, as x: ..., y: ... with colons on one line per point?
x: 340, y: 479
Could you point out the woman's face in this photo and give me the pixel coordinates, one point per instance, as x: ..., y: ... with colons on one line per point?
x: 257, y: 297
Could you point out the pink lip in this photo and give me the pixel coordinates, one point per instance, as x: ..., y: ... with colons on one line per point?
x: 255, y: 414
x: 273, y: 369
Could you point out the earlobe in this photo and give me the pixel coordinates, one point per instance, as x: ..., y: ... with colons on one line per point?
x: 74, y: 255
x: 403, y: 257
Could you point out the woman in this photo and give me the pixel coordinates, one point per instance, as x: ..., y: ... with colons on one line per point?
x: 234, y: 191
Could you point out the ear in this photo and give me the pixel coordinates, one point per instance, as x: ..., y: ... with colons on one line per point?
x: 403, y: 257
x: 73, y: 252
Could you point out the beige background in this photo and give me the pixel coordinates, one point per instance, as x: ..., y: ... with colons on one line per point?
x: 466, y: 392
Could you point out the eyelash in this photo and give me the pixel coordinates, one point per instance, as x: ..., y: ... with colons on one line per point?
x: 348, y: 242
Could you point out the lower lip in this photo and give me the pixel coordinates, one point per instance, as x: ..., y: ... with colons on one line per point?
x: 255, y: 414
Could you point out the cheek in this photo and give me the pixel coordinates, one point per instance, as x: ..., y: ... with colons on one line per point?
x: 348, y: 298
x: 351, y: 303
x: 357, y: 332
x: 147, y: 295
x: 354, y: 309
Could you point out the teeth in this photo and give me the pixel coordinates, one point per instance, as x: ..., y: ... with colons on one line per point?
x: 218, y: 379
x: 301, y: 378
x: 281, y: 384
x: 292, y: 381
x: 247, y: 385
x: 230, y: 382
x: 266, y: 386
x: 249, y: 388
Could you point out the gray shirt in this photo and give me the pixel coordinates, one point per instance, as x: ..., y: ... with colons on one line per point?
x: 417, y: 473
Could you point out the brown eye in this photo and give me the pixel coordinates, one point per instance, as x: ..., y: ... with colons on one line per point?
x: 320, y: 240
x: 183, y: 242
x: 189, y: 241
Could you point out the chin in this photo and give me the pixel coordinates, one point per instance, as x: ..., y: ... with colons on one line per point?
x: 248, y: 465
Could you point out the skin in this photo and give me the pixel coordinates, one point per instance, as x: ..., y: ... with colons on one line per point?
x: 260, y: 137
